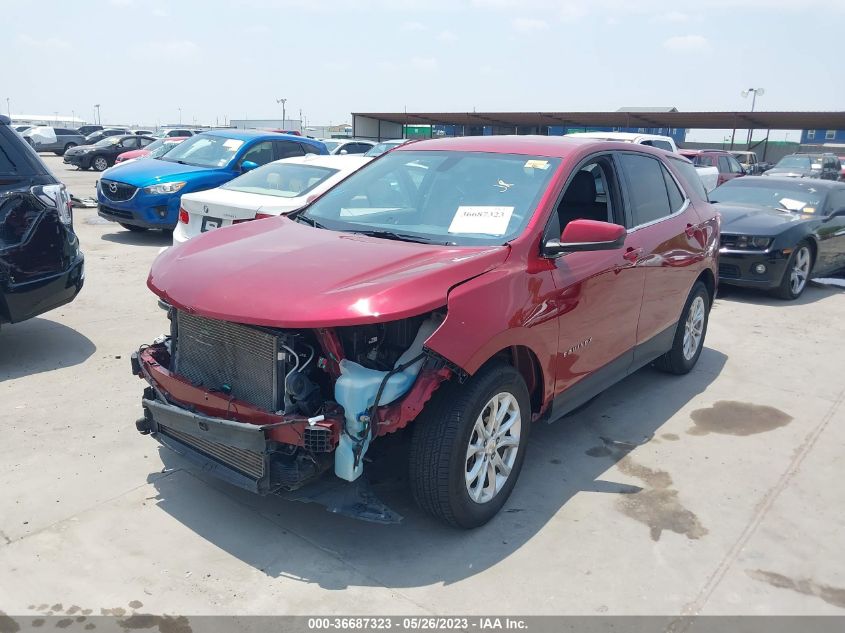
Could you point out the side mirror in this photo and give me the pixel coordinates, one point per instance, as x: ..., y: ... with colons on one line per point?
x: 248, y: 165
x: 343, y: 152
x: 587, y: 235
x: 838, y: 213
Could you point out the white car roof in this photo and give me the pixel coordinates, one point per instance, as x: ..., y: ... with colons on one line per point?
x: 628, y: 137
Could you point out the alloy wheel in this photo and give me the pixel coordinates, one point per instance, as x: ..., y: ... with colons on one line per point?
x: 694, y: 327
x: 493, y: 447
x: 800, y: 271
x: 100, y: 163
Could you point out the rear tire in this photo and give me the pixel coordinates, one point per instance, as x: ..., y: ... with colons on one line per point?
x: 66, y: 148
x: 100, y: 163
x: 133, y: 228
x: 689, y: 333
x: 799, y: 267
x: 475, y: 433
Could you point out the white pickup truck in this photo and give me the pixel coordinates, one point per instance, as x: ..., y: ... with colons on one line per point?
x: 709, y: 175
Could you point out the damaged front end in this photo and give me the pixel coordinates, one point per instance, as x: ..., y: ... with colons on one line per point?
x: 274, y: 410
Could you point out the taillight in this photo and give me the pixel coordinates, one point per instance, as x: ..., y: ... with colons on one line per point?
x: 183, y: 216
x: 56, y: 196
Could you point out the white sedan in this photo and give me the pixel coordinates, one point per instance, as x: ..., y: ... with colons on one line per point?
x: 273, y: 189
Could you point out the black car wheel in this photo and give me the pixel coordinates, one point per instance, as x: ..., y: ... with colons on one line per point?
x: 100, y: 163
x: 67, y: 147
x: 133, y: 228
x: 468, y: 446
x: 689, y: 333
x: 797, y: 273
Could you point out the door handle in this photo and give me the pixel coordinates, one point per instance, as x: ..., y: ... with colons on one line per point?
x: 633, y: 254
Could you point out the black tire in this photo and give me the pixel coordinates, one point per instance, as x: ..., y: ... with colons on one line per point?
x: 441, y: 436
x: 99, y: 163
x: 675, y: 361
x: 133, y: 228
x: 66, y: 148
x: 784, y: 290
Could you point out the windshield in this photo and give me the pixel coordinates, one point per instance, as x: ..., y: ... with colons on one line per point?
x: 285, y: 180
x: 331, y: 145
x: 795, y: 162
x: 798, y: 196
x: 205, y: 150
x: 109, y: 140
x: 463, y: 198
x: 381, y: 148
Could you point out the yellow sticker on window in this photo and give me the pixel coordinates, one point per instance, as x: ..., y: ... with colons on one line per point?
x: 808, y: 210
x: 537, y: 164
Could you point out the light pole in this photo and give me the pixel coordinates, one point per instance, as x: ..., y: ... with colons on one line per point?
x: 97, y: 118
x: 8, y: 108
x: 283, y: 102
x: 180, y: 115
x: 754, y: 92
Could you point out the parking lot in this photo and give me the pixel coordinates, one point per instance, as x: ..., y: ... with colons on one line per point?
x: 717, y: 492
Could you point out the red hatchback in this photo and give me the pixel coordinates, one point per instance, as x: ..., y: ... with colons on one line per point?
x: 468, y: 287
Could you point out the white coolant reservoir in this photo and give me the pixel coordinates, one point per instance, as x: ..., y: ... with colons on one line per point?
x: 356, y: 389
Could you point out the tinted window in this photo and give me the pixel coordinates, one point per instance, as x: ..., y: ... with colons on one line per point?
x: 646, y: 188
x: 60, y: 130
x: 286, y: 149
x: 130, y: 143
x: 659, y: 145
x: 724, y: 166
x: 676, y: 196
x: 690, y: 176
x: 260, y: 153
x: 6, y: 165
x: 146, y: 141
x: 836, y: 201
x: 309, y: 149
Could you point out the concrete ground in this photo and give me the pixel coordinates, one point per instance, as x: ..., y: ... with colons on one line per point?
x: 719, y: 492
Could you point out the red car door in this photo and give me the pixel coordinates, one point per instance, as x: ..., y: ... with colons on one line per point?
x: 662, y: 219
x: 597, y: 294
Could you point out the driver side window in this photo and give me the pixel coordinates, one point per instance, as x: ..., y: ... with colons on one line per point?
x: 586, y: 197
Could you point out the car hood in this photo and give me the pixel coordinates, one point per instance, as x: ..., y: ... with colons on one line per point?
x: 794, y: 172
x: 280, y: 273
x: 756, y: 220
x: 144, y: 173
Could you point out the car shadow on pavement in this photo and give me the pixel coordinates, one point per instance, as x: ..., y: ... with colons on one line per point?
x: 40, y: 345
x: 814, y: 292
x: 152, y: 237
x: 564, y: 459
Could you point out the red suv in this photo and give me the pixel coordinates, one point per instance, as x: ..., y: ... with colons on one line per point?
x: 728, y: 166
x: 469, y: 287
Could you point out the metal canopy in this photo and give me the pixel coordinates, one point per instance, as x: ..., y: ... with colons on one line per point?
x: 689, y: 120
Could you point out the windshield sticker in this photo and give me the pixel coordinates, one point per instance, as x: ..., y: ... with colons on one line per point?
x: 232, y: 144
x: 486, y: 220
x: 792, y: 205
x: 808, y: 210
x: 503, y: 186
x: 537, y: 164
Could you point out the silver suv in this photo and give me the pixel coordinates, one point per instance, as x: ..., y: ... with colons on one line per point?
x: 58, y: 140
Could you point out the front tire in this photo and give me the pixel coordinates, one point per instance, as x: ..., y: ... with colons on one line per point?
x: 468, y: 446
x: 797, y: 273
x: 689, y: 333
x: 100, y: 163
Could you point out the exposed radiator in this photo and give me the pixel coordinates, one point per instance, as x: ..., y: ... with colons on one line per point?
x: 248, y: 462
x: 230, y: 358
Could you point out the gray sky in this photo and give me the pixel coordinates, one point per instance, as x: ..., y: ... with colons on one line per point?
x: 144, y: 59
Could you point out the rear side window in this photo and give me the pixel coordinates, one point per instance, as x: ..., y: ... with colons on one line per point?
x: 690, y: 176
x: 6, y: 165
x: 648, y: 197
x: 287, y: 149
x: 309, y: 149
x: 676, y: 196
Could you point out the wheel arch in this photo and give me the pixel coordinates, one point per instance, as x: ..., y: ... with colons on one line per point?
x: 709, y: 280
x: 525, y: 361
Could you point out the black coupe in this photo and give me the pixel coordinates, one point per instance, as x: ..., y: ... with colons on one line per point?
x: 779, y: 232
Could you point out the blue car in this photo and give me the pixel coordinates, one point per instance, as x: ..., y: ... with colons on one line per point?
x: 144, y: 194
